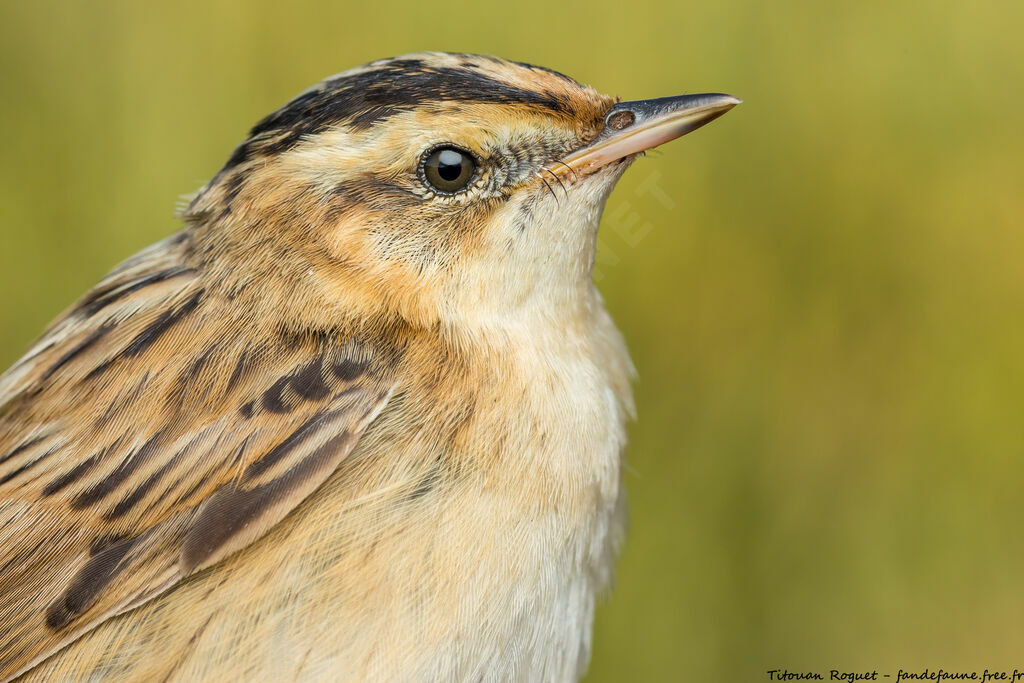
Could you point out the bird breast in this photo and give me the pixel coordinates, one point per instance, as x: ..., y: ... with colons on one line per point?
x: 475, y: 523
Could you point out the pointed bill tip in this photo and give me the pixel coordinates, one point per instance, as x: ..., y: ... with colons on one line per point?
x: 633, y: 127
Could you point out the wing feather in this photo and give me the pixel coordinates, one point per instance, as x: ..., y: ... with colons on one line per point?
x: 146, y: 437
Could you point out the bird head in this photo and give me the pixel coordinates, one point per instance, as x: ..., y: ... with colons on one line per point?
x: 446, y: 189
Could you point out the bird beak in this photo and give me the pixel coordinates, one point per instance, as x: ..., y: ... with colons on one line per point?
x: 632, y: 127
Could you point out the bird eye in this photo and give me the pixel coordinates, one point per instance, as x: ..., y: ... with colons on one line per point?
x: 448, y: 169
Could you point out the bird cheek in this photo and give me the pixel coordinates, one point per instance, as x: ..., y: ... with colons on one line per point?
x: 346, y: 239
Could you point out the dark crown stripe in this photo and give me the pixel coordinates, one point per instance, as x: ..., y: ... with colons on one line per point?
x: 369, y: 97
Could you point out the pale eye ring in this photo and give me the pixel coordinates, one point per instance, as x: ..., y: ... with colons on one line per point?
x: 447, y: 168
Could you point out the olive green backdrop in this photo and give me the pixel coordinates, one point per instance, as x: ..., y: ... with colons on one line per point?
x: 822, y: 291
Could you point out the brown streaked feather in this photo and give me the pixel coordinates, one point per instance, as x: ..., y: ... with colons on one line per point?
x: 127, y: 461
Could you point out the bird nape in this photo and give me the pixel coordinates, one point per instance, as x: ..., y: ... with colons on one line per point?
x: 362, y: 418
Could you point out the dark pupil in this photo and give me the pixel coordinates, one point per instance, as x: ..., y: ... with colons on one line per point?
x: 449, y: 165
x: 448, y: 169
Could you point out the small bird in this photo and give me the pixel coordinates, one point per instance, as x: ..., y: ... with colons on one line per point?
x: 361, y: 419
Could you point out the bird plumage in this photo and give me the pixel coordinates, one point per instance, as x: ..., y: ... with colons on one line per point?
x: 342, y: 425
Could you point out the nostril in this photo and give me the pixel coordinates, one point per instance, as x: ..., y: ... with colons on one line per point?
x: 620, y: 120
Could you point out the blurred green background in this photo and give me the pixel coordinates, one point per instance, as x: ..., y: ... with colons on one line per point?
x: 822, y: 291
